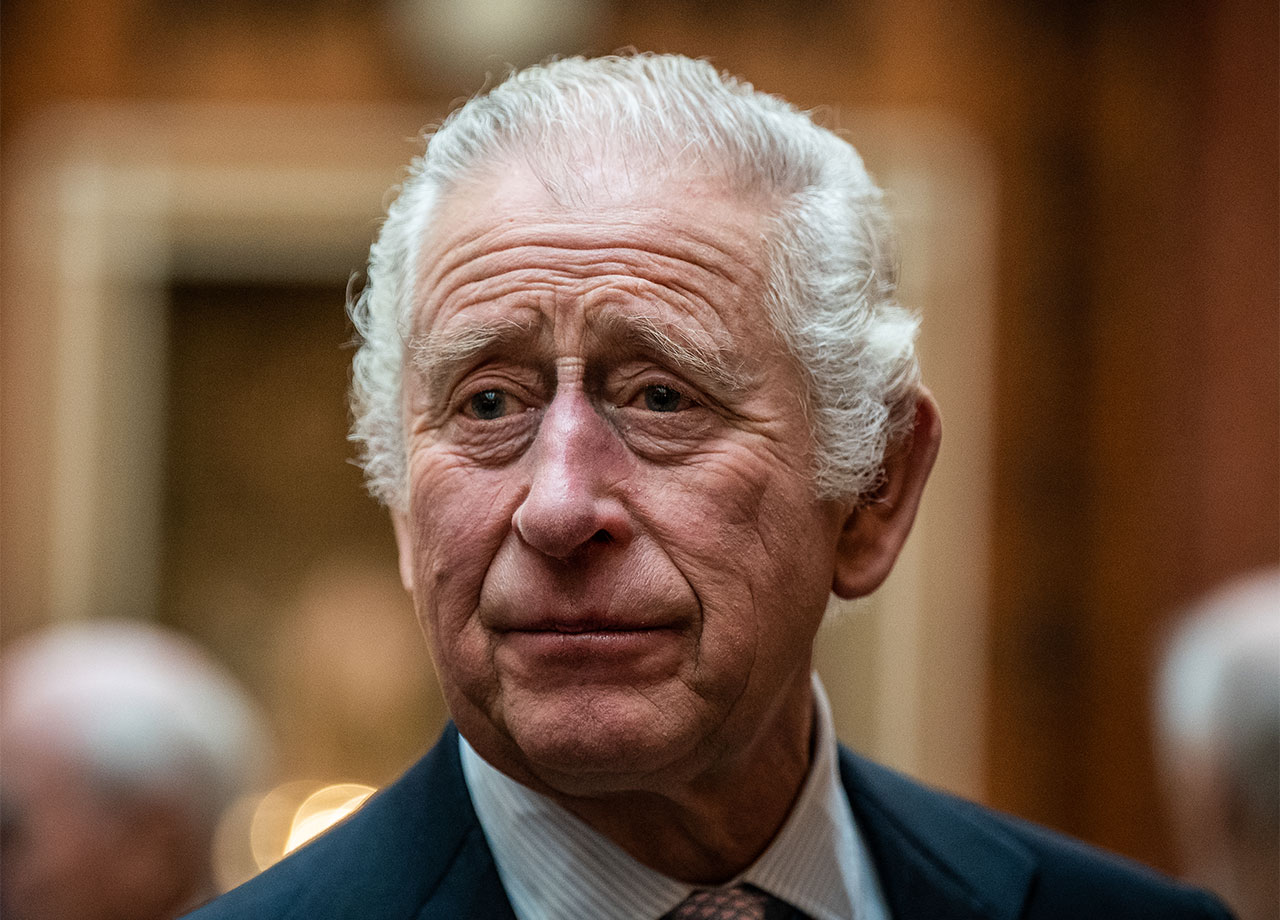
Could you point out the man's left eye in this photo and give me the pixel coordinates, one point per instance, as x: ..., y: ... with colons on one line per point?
x: 662, y: 398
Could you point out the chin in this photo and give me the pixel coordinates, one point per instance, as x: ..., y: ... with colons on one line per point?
x: 595, y: 743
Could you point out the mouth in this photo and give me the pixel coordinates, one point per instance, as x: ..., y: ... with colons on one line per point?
x: 611, y: 646
x: 587, y: 627
x: 569, y: 622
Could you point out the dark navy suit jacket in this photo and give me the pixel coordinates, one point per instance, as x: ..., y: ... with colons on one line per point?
x: 416, y: 852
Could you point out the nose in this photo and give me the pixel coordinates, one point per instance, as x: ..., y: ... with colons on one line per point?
x: 576, y: 461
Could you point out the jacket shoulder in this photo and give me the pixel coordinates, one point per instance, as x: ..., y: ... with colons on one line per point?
x: 1006, y: 867
x: 414, y: 850
x: 1076, y: 879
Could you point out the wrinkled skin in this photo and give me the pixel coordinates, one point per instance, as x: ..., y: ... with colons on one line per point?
x: 611, y: 533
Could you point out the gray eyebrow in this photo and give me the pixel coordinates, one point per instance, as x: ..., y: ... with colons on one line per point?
x: 433, y: 355
x: 687, y: 349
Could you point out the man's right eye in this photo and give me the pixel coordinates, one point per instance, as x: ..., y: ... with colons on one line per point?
x: 488, y: 404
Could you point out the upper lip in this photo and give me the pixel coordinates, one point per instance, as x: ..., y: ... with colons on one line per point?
x: 584, y: 626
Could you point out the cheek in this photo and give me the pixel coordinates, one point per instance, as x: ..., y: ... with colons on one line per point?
x: 735, y: 515
x: 461, y: 514
x: 757, y: 549
x: 797, y: 536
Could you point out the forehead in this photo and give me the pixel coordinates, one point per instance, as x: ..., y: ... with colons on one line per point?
x: 680, y: 249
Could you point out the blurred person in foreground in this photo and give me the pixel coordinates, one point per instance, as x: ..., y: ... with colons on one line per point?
x: 636, y: 390
x: 1218, y: 715
x: 122, y: 745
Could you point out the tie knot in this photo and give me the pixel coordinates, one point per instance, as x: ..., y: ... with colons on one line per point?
x: 739, y: 903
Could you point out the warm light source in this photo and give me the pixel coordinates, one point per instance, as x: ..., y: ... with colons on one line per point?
x: 294, y: 812
x: 323, y: 809
x: 234, y: 861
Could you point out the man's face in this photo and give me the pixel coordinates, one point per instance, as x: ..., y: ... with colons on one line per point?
x: 611, y: 533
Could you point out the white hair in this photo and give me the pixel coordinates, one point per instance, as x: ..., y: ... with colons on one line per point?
x: 832, y: 262
x: 145, y: 713
x: 1218, y: 688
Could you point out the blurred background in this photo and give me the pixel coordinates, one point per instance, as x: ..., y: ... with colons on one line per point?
x: 1087, y: 195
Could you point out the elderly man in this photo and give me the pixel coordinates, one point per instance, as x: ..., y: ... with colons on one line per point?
x: 637, y: 393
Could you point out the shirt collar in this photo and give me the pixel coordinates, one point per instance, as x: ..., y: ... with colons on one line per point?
x: 554, y: 866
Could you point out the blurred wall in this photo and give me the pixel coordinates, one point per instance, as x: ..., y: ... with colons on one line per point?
x: 1137, y: 329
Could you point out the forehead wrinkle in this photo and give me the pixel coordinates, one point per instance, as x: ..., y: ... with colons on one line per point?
x: 582, y: 246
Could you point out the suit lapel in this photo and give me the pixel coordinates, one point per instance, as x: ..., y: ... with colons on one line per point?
x: 935, y: 862
x: 470, y: 887
x: 435, y: 843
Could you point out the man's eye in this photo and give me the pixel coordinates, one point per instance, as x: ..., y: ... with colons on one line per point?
x: 661, y: 398
x: 488, y: 404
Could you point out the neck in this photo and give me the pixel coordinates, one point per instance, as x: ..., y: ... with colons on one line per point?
x: 710, y: 829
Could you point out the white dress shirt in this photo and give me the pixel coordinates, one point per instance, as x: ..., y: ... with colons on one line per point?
x: 555, y: 867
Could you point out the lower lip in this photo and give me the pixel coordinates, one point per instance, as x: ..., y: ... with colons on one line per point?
x: 593, y: 647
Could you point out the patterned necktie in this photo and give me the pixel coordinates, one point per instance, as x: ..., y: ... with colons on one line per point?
x: 740, y: 903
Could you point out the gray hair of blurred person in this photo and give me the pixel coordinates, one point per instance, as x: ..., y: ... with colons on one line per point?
x: 1218, y: 726
x: 145, y: 714
x: 832, y: 260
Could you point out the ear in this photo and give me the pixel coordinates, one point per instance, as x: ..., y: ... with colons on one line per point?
x: 877, y: 527
x: 404, y: 543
